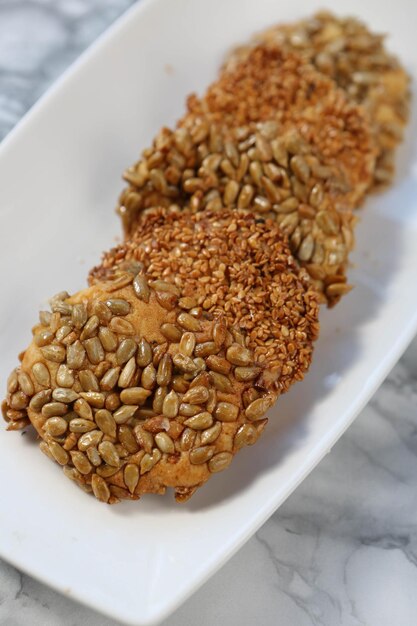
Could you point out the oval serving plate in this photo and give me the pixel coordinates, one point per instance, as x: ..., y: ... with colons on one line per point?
x: 60, y: 177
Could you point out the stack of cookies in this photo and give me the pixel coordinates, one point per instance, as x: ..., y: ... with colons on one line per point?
x: 238, y: 224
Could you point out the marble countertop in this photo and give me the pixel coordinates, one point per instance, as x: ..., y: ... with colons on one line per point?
x: 342, y: 550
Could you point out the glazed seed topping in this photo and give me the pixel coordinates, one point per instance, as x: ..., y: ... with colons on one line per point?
x: 209, y: 244
x: 275, y: 136
x: 346, y: 51
x: 118, y: 404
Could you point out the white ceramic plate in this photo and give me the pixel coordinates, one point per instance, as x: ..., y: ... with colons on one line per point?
x: 60, y: 176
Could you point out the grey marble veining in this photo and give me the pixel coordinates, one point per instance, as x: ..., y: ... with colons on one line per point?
x: 38, y: 40
x: 342, y: 550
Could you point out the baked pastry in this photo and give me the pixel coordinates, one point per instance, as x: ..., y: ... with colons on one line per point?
x: 161, y: 370
x: 358, y: 61
x: 275, y: 134
x: 238, y: 223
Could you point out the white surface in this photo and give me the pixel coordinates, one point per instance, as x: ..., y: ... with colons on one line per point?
x: 140, y: 561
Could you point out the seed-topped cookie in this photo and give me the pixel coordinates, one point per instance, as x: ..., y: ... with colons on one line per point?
x: 276, y: 135
x: 157, y: 374
x: 229, y: 263
x: 358, y: 61
x: 272, y: 84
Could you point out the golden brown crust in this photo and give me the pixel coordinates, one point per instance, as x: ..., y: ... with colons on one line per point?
x: 134, y: 385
